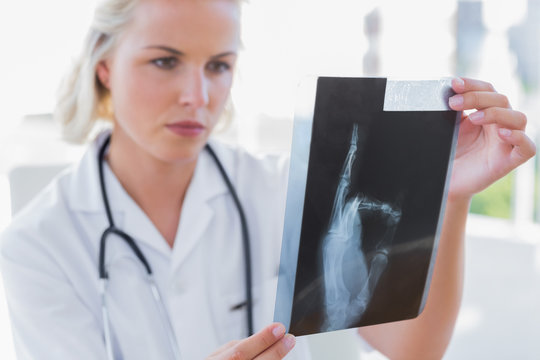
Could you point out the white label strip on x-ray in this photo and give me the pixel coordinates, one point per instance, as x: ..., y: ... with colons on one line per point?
x: 417, y: 95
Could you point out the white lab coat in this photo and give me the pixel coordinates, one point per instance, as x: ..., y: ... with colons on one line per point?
x: 49, y: 263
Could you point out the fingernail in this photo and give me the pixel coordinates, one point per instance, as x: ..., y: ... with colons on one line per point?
x: 477, y: 116
x: 289, y: 341
x: 456, y: 101
x: 505, y: 132
x: 459, y: 83
x: 278, y: 331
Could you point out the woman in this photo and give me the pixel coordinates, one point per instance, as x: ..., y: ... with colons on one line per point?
x: 162, y: 71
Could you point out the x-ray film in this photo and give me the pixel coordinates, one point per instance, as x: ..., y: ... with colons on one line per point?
x: 370, y: 166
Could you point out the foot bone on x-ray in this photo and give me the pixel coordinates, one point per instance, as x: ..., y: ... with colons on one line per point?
x: 350, y: 278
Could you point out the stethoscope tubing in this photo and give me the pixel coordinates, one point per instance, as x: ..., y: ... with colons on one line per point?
x: 245, y: 238
x: 112, y: 229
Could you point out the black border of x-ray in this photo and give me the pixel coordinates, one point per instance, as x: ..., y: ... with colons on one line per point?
x: 300, y: 153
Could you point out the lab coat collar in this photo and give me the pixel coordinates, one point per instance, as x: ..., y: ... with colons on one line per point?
x: 206, y: 184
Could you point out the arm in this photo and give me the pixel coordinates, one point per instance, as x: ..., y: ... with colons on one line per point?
x: 428, y: 335
x: 491, y: 143
x: 49, y: 320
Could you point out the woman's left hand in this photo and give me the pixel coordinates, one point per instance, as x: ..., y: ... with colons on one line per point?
x: 491, y: 141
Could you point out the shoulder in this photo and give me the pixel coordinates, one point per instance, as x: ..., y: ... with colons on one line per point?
x: 75, y: 188
x: 53, y: 237
x: 44, y: 215
x: 47, y: 220
x: 253, y: 170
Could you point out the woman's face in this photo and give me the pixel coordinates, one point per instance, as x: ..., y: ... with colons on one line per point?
x: 170, y: 74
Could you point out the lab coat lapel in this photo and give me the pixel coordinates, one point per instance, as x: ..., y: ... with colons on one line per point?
x: 197, y: 211
x: 130, y: 218
x: 127, y: 215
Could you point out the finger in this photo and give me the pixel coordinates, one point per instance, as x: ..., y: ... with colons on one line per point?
x: 279, y: 349
x: 256, y: 344
x: 524, y: 148
x: 506, y: 118
x: 478, y: 100
x: 228, y: 345
x: 463, y: 84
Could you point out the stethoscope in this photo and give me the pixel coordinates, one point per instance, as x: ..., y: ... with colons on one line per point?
x: 112, y: 229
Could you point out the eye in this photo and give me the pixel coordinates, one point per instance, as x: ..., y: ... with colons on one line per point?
x: 218, y: 67
x: 166, y: 63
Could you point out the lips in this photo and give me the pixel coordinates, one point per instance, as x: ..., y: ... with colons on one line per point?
x: 186, y: 128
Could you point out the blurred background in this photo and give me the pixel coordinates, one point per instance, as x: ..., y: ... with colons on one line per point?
x: 285, y: 40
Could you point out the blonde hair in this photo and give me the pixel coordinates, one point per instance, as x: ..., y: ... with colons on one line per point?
x: 82, y: 99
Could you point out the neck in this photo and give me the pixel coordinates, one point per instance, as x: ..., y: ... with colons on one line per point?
x: 156, y: 186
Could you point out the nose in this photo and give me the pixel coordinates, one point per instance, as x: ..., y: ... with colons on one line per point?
x: 194, y: 89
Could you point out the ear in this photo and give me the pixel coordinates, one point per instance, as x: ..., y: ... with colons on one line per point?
x: 103, y: 73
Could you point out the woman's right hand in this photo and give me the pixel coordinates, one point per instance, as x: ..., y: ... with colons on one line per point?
x: 270, y: 343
